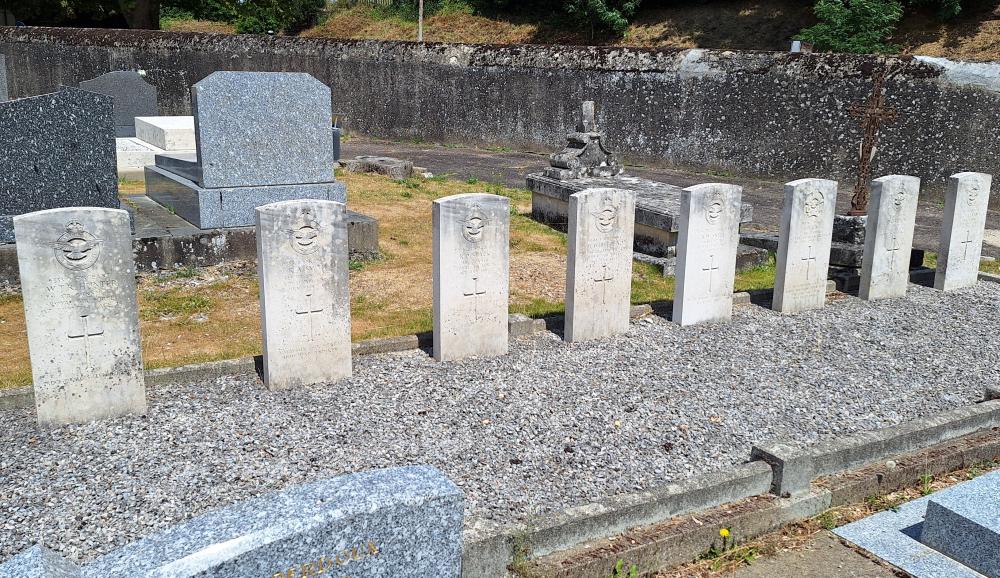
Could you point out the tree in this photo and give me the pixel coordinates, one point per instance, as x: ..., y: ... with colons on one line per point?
x: 854, y: 25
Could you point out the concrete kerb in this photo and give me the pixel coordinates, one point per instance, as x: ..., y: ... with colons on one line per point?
x: 795, y: 468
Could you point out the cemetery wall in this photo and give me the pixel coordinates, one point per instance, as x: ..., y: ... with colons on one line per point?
x: 751, y: 113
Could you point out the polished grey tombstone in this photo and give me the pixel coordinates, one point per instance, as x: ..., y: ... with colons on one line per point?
x: 966, y: 202
x: 892, y: 213
x: 56, y: 150
x: 261, y: 137
x: 599, y: 263
x: 78, y: 281
x: 471, y: 276
x: 132, y: 96
x: 304, y: 296
x: 804, y: 245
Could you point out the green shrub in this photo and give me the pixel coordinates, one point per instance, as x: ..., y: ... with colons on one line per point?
x: 602, y: 17
x: 862, y: 26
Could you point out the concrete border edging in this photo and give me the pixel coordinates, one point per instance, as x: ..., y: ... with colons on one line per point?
x: 795, y: 468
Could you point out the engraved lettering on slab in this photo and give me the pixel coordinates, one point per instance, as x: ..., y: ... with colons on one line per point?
x: 328, y: 563
x: 77, y: 249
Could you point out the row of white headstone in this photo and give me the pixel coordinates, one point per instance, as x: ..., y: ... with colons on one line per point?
x: 78, y: 278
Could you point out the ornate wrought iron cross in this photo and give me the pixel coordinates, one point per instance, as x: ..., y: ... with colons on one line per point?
x: 873, y: 114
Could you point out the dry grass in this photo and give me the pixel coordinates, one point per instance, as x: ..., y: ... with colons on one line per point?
x: 197, y: 26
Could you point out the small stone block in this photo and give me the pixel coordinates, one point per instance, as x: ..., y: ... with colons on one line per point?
x: 964, y: 524
x: 393, y: 168
x: 966, y: 202
x: 304, y: 298
x: 471, y: 276
x: 706, y: 253
x: 792, y: 469
x: 599, y: 268
x: 38, y: 562
x: 892, y: 212
x: 170, y: 133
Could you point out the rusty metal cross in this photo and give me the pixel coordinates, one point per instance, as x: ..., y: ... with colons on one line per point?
x: 873, y: 114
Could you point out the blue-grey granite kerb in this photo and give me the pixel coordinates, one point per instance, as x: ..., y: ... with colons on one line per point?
x: 38, y: 562
x: 132, y: 96
x: 964, y: 523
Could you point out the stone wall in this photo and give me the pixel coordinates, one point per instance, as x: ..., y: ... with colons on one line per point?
x: 779, y: 115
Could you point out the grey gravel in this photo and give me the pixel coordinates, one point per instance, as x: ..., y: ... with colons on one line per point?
x: 547, y: 427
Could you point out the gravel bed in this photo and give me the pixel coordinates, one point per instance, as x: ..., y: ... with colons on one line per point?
x: 549, y: 426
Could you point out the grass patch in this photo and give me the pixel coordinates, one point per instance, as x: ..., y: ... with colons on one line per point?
x: 992, y: 267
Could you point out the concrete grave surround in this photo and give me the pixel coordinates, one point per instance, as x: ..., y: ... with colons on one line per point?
x: 132, y: 96
x: 394, y: 523
x: 892, y: 212
x: 262, y: 128
x: 304, y: 297
x: 599, y: 266
x: 706, y: 253
x: 471, y: 276
x: 56, y: 150
x: 78, y: 282
x: 962, y: 228
x: 804, y: 245
x: 3, y: 79
x: 169, y: 133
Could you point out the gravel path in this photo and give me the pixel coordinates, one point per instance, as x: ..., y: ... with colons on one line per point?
x: 549, y: 426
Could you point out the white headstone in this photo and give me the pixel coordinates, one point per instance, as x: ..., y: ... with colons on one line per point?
x: 892, y: 211
x: 962, y: 229
x: 471, y: 254
x: 599, y: 268
x: 305, y: 302
x: 78, y: 282
x: 708, y: 236
x: 804, y: 245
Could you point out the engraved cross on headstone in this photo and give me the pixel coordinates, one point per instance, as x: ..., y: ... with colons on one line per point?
x: 711, y: 269
x: 965, y: 243
x: 604, y: 277
x: 474, y: 292
x: 893, y: 252
x: 87, y: 323
x: 309, y: 310
x: 810, y: 261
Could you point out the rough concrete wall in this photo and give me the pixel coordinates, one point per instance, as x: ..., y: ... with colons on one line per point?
x: 753, y: 113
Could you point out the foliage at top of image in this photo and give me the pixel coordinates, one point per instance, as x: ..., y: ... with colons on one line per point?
x: 865, y: 26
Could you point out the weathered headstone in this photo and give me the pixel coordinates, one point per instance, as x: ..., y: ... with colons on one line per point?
x: 132, y: 96
x: 471, y: 275
x: 599, y: 268
x: 804, y: 245
x: 706, y: 253
x: 4, y: 95
x: 962, y: 228
x: 395, y: 523
x: 892, y: 212
x: 261, y: 137
x: 304, y: 297
x: 78, y: 282
x: 56, y: 150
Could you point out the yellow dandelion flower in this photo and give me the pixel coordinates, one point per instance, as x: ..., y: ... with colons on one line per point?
x: 724, y: 532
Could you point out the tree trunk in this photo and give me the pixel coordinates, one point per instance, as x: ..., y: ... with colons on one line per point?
x: 141, y: 14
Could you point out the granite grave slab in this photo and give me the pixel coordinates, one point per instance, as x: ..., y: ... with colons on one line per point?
x: 964, y: 524
x: 804, y: 245
x: 706, y: 253
x: 78, y: 283
x: 471, y: 275
x: 39, y: 562
x: 56, y: 150
x: 304, y: 298
x: 132, y: 95
x: 599, y: 263
x: 966, y: 201
x: 892, y: 213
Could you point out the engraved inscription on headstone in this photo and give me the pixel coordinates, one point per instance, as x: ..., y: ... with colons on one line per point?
x: 599, y: 267
x: 471, y: 251
x: 892, y: 212
x: 709, y: 234
x: 78, y: 282
x: 962, y: 228
x: 804, y: 245
x: 304, y: 293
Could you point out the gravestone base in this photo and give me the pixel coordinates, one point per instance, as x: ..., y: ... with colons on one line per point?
x: 229, y: 206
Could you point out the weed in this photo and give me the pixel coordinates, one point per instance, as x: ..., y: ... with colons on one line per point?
x: 406, y: 194
x: 828, y: 519
x: 620, y: 572
x: 925, y: 484
x: 471, y: 181
x: 356, y: 265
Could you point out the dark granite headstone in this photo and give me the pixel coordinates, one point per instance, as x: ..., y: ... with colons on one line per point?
x: 56, y: 150
x: 3, y: 80
x: 133, y: 97
x: 395, y: 523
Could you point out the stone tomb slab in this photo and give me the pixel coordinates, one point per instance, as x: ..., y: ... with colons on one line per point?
x: 78, y: 281
x: 305, y: 302
x: 38, y: 562
x: 169, y: 133
x: 892, y: 212
x: 262, y: 128
x: 657, y: 207
x: 966, y: 202
x: 804, y: 245
x: 471, y: 276
x: 599, y: 268
x: 132, y: 96
x: 41, y: 165
x: 394, y: 523
x: 706, y: 253
x: 964, y: 524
